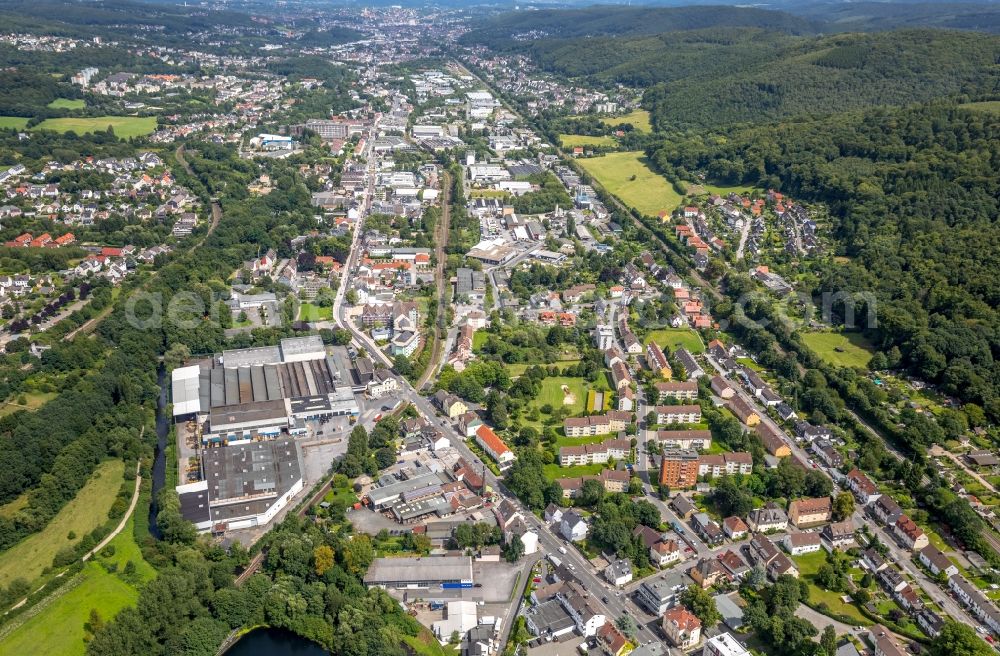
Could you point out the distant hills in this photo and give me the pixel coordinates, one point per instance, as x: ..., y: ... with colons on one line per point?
x: 714, y: 66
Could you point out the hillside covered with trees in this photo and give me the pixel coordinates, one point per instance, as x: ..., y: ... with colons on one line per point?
x: 915, y: 196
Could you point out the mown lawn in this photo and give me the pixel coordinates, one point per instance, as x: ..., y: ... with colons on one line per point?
x: 572, y: 140
x: 627, y: 176
x: 311, y: 312
x: 124, y: 126
x: 840, y: 349
x: 88, y: 510
x: 554, y: 471
x: 808, y: 565
x: 15, y: 122
x: 672, y: 338
x: 66, y: 103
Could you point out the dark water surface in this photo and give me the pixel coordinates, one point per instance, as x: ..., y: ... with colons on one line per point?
x: 275, y: 642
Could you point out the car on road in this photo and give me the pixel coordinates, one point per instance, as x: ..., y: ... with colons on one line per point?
x: 562, y: 550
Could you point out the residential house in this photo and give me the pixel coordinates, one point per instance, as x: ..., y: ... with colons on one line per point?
x: 873, y: 561
x: 572, y: 527
x: 708, y: 572
x: 449, y: 404
x: 883, y: 642
x: 886, y: 510
x: 734, y: 565
x: 909, y: 534
x: 768, y: 518
x: 494, y: 447
x: 685, y: 390
x: 618, y: 572
x: 838, y: 535
x: 743, y: 411
x: 683, y: 506
x: 801, y: 543
x: 772, y: 559
x: 612, y: 642
x: 863, y: 488
x: 774, y: 441
x: 935, y: 560
x: 682, y: 628
x: 809, y: 512
x: 656, y: 360
x: 691, y: 366
x: 826, y: 452
x: 678, y: 414
x: 685, y: 439
x: 735, y: 528
x: 721, y: 388
x: 707, y: 529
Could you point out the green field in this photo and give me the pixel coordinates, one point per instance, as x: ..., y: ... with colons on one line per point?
x: 66, y: 103
x: 88, y: 510
x: 554, y: 471
x: 627, y: 176
x: 310, y: 312
x: 516, y: 370
x: 723, y: 190
x: 11, y: 508
x: 639, y: 119
x: 15, y: 122
x: 808, y: 565
x: 571, y: 140
x: 992, y: 106
x: 673, y: 338
x: 840, y: 349
x: 59, y: 627
x: 32, y: 401
x: 552, y: 394
x: 124, y: 126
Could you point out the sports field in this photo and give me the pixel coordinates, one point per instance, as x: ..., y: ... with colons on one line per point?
x: 124, y: 126
x: 571, y: 140
x: 627, y: 176
x: 66, y: 103
x: 58, y: 627
x: 840, y: 349
x: 673, y: 338
x: 15, y: 122
x: 88, y: 510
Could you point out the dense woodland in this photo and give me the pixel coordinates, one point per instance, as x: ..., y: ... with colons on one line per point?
x: 915, y: 195
x: 721, y: 75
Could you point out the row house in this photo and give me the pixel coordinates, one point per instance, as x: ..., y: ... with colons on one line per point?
x: 729, y: 463
x: 685, y: 439
x: 611, y: 480
x: 909, y: 534
x: 657, y: 361
x: 611, y: 422
x: 863, y: 488
x: 678, y: 414
x: 589, y: 454
x: 686, y: 390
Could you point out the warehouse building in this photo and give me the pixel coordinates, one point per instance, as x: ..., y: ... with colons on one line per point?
x: 426, y: 572
x: 244, y: 485
x: 263, y: 392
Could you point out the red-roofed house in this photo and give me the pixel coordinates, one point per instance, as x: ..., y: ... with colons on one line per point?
x: 491, y: 443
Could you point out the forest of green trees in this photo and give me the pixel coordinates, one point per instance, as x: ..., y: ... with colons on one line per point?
x: 915, y: 195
